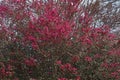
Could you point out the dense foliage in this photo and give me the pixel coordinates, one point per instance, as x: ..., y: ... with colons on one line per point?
x: 54, y: 40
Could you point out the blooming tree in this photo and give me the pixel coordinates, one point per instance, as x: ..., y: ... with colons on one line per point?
x: 54, y: 40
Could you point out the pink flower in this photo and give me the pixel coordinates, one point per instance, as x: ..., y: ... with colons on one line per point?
x: 86, y: 30
x: 97, y: 56
x: 85, y: 40
x: 3, y: 9
x: 75, y: 59
x: 62, y: 67
x: 2, y: 72
x: 67, y: 65
x: 73, y: 70
x: 114, y: 74
x: 31, y: 38
x: 58, y: 62
x: 31, y: 26
x: 30, y: 62
x: 78, y: 78
x: 114, y: 52
x: 34, y: 45
x: 88, y: 59
x: 104, y: 65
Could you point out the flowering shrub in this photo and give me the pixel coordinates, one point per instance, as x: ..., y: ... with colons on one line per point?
x: 55, y: 40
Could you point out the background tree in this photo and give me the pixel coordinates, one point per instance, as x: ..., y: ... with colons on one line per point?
x: 105, y: 12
